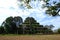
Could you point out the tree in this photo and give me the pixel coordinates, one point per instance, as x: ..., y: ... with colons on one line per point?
x: 11, y: 24
x: 29, y: 25
x: 2, y: 30
x: 58, y: 30
x: 49, y: 26
x: 18, y: 21
x: 7, y: 24
x: 52, y: 10
x: 26, y: 3
x: 20, y: 29
x: 31, y: 22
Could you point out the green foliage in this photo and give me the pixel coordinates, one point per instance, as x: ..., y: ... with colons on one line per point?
x: 29, y: 26
x: 2, y: 30
x: 9, y: 20
x: 52, y: 9
x: 10, y: 24
x: 7, y: 28
x: 30, y: 21
x: 58, y: 30
x: 20, y: 29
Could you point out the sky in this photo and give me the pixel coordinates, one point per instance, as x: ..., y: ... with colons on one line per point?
x: 10, y: 8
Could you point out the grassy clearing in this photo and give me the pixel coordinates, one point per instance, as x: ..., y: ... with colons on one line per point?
x: 30, y: 37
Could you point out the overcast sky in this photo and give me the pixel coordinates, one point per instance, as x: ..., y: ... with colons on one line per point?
x: 10, y: 8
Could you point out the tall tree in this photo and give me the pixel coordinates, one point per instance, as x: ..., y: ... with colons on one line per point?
x: 29, y: 24
x: 18, y: 21
x: 7, y: 24
x: 11, y: 24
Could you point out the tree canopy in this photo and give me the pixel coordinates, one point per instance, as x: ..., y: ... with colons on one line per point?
x: 53, y: 8
x: 31, y: 22
x: 11, y: 24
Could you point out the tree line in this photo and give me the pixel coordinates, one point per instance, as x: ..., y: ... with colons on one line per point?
x: 15, y: 25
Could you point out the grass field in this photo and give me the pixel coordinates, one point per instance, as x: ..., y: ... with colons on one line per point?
x: 29, y: 37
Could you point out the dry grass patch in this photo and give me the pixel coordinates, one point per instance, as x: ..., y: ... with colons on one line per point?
x: 31, y: 37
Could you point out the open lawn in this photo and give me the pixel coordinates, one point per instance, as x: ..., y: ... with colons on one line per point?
x: 29, y: 37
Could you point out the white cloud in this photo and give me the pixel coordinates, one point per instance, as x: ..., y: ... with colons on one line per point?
x: 8, y: 3
x: 10, y: 8
x: 5, y: 12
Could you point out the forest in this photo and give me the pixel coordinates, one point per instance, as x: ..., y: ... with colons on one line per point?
x: 15, y: 25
